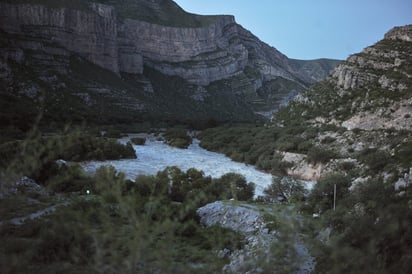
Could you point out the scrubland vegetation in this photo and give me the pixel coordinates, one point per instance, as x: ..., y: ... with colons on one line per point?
x: 105, y: 221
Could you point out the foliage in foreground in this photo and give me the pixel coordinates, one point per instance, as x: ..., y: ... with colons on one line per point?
x: 38, y: 155
x: 149, y: 225
x: 372, y: 223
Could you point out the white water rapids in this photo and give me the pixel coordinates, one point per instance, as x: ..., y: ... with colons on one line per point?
x: 155, y: 156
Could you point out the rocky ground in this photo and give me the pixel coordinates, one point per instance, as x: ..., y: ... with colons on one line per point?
x: 263, y: 251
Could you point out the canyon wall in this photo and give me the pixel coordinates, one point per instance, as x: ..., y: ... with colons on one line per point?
x: 200, y: 55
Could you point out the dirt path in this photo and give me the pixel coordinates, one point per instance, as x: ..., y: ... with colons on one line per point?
x: 33, y: 215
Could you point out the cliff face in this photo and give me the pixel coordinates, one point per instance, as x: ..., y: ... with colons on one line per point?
x: 402, y: 33
x: 139, y: 37
x: 199, y: 55
x: 91, y: 35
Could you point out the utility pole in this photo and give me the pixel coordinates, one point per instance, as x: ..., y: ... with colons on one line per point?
x: 334, y: 196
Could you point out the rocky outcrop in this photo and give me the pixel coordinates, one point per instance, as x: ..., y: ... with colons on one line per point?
x: 360, y: 71
x: 397, y: 116
x: 371, y: 90
x: 300, y: 168
x: 257, y: 255
x: 400, y: 33
x: 376, y: 63
x: 239, y: 218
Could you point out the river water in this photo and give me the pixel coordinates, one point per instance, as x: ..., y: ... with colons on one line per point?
x: 155, y: 156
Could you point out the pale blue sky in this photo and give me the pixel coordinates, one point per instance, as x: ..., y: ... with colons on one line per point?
x: 310, y: 29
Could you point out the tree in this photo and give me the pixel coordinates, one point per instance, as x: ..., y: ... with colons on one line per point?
x: 239, y: 188
x: 322, y: 195
x: 284, y: 190
x: 320, y: 155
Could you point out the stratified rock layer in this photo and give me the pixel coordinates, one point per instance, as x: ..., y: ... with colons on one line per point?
x: 209, y: 53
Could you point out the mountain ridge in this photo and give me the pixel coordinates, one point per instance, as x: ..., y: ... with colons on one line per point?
x: 212, y: 54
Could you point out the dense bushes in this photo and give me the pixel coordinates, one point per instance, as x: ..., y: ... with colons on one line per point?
x: 182, y: 186
x: 404, y: 154
x: 60, y: 242
x: 83, y: 147
x: 375, y: 159
x: 137, y: 227
x: 258, y: 145
x: 372, y: 223
x: 320, y: 155
x: 66, y: 178
x: 322, y: 195
x: 41, y: 153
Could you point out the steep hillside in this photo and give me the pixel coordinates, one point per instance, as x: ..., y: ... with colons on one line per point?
x: 365, y: 107
x: 371, y: 90
x: 121, y: 61
x: 352, y: 134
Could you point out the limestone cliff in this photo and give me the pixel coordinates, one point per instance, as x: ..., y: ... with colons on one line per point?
x: 381, y: 77
x: 136, y: 40
x: 91, y: 35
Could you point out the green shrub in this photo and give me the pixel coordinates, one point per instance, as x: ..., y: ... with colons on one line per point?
x: 113, y: 133
x: 320, y: 155
x: 280, y: 167
x: 177, y: 137
x: 67, y: 178
x: 304, y: 147
x: 347, y: 166
x: 239, y: 188
x: 371, y: 222
x: 40, y: 153
x: 328, y: 140
x: 236, y: 156
x: 321, y: 197
x: 375, y: 159
x: 403, y: 154
x: 8, y: 152
x: 60, y: 242
x: 139, y: 141
x: 264, y: 162
x: 289, y: 143
x: 179, y: 142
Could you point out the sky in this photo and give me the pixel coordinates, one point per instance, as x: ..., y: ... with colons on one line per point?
x: 311, y: 29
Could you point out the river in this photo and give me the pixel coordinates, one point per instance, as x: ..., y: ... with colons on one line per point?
x: 155, y: 156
